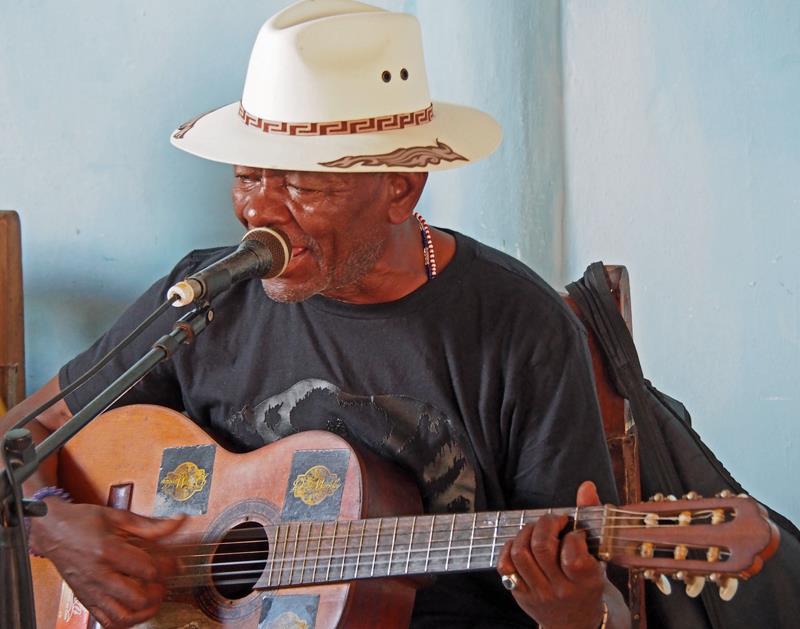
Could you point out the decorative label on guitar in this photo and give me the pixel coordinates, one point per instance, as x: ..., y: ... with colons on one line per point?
x: 314, y: 490
x: 184, y: 481
x: 289, y: 612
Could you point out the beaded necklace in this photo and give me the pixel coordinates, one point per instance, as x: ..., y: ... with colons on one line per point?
x: 427, y: 246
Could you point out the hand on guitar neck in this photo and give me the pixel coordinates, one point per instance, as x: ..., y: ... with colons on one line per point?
x: 557, y: 580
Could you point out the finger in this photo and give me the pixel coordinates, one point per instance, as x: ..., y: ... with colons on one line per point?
x: 167, y: 563
x: 504, y: 563
x: 100, y: 616
x: 142, y: 526
x: 545, y: 546
x: 111, y: 613
x: 525, y: 565
x: 587, y: 495
x: 130, y: 594
x: 578, y: 564
x: 133, y: 562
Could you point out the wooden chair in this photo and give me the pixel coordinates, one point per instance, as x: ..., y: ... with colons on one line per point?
x: 620, y: 437
x: 12, y: 337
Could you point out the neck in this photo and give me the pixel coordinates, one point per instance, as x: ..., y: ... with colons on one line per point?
x: 322, y: 552
x: 400, y: 269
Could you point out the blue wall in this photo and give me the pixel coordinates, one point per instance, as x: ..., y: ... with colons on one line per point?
x: 90, y: 91
x: 683, y: 162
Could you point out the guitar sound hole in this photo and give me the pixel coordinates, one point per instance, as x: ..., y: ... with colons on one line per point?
x: 240, y: 560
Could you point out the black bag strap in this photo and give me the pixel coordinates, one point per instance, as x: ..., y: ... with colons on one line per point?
x: 600, y: 312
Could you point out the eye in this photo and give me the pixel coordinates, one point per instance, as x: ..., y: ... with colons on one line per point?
x: 247, y: 178
x: 300, y: 190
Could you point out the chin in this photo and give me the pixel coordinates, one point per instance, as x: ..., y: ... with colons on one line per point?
x: 284, y: 293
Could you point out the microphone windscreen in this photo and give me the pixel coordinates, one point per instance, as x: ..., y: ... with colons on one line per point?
x: 279, y: 247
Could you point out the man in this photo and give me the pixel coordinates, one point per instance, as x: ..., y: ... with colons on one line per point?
x: 449, y: 358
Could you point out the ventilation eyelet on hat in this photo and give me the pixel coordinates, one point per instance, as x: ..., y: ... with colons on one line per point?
x: 404, y: 74
x: 386, y: 76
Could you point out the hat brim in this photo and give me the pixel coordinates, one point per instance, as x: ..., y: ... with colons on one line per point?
x: 456, y: 136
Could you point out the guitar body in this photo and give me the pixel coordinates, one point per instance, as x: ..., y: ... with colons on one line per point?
x: 157, y: 462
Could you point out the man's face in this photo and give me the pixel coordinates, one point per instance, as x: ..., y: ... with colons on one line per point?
x: 334, y: 221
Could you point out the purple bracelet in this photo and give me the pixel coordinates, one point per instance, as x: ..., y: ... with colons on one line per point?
x: 41, y: 494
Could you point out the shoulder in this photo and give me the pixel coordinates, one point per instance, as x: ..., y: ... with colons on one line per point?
x: 513, y: 291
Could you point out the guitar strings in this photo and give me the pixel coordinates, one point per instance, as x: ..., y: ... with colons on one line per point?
x: 349, y: 560
x: 253, y: 534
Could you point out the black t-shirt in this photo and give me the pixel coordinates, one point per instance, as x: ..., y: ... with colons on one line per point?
x: 478, y: 384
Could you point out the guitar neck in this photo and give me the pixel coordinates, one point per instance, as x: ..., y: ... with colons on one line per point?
x: 323, y: 552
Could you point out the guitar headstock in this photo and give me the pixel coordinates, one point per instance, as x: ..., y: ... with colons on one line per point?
x: 692, y: 539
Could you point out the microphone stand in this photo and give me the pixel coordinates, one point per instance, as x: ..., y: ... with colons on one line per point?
x: 22, y: 458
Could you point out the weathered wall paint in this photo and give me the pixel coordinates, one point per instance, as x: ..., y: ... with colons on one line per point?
x: 89, y: 93
x: 683, y: 162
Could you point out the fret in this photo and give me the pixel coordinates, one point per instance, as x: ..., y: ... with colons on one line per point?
x: 272, y: 553
x: 360, y: 547
x: 305, y: 552
x: 284, y: 554
x: 375, y: 551
x: 316, y: 553
x: 391, y: 547
x: 494, y: 538
x: 330, y: 556
x: 471, y: 539
x: 450, y: 543
x: 294, y: 553
x: 410, y: 541
x: 344, y: 553
x: 522, y: 519
x: 430, y: 539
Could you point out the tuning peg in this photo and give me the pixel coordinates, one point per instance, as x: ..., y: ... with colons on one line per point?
x: 742, y: 495
x: 661, y: 582
x: 692, y: 495
x: 671, y: 498
x: 694, y: 585
x: 659, y: 497
x: 725, y: 493
x: 727, y: 586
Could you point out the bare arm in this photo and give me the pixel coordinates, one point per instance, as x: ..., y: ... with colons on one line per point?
x: 40, y: 428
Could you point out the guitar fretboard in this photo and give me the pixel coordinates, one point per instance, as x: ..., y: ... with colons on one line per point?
x: 322, y: 552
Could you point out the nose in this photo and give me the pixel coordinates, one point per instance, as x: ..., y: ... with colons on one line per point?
x: 264, y: 204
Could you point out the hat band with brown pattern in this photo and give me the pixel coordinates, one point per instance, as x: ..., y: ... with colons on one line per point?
x: 343, y: 127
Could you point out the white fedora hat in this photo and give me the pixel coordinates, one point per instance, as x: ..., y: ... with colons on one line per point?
x: 339, y: 86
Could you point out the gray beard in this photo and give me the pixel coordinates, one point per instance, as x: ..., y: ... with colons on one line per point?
x: 360, y: 262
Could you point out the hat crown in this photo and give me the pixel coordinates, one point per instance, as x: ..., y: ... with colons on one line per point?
x: 335, y: 60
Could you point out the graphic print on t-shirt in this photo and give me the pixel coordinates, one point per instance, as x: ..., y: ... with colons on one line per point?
x: 413, y: 434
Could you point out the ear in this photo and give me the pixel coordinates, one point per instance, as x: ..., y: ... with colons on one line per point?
x: 404, y: 190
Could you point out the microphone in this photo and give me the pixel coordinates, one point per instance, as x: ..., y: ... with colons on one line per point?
x: 263, y: 252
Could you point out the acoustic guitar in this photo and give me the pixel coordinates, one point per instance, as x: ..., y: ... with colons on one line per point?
x: 311, y: 533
